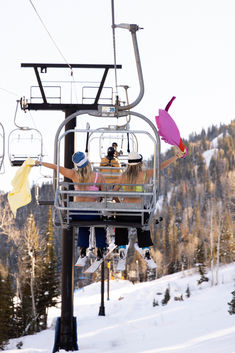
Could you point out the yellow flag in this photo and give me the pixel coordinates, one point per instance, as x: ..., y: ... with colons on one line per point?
x: 20, y: 194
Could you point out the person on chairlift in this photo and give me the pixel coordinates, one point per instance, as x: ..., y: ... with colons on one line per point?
x: 135, y: 174
x: 82, y: 173
x: 111, y: 174
x: 116, y: 153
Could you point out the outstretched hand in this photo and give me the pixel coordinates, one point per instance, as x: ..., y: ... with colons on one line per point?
x: 36, y: 164
x: 178, y: 152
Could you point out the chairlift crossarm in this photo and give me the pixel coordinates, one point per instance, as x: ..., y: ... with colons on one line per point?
x: 64, y: 106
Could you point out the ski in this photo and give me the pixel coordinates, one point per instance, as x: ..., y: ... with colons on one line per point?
x: 121, y: 265
x: 81, y: 261
x: 150, y: 262
x: 95, y: 265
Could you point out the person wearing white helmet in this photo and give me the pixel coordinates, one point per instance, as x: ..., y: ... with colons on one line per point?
x: 134, y: 174
x: 82, y: 173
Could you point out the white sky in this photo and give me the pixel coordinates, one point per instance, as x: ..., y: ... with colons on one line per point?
x: 187, y: 50
x: 200, y: 323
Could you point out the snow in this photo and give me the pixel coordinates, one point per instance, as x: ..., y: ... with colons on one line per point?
x: 161, y: 199
x: 214, y: 144
x: 200, y: 323
x: 208, y: 154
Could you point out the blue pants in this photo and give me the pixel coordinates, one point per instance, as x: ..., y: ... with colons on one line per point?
x: 84, y: 232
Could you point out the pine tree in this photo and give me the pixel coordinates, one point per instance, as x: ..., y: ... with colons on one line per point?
x: 6, y: 311
x: 201, y: 170
x: 167, y: 297
x: 200, y: 256
x: 232, y: 304
x: 188, y: 293
x: 49, y: 285
x: 227, y: 242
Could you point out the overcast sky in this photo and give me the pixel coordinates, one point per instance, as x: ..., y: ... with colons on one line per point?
x: 187, y: 49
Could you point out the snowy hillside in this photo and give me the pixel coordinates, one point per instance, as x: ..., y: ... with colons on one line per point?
x: 198, y: 324
x: 209, y: 153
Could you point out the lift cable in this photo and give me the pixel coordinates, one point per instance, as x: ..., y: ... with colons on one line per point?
x: 19, y: 127
x: 65, y: 60
x: 51, y: 37
x: 10, y: 92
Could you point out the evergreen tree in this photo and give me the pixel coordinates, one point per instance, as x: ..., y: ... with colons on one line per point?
x: 200, y: 257
x: 6, y: 311
x: 232, y: 304
x: 213, y: 168
x: 188, y: 293
x: 167, y: 297
x: 227, y: 241
x: 48, y: 291
x: 201, y: 170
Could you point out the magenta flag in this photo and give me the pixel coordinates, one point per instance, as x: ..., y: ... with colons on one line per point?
x: 168, y: 129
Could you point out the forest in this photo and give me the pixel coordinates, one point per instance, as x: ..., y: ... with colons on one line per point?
x: 197, y: 208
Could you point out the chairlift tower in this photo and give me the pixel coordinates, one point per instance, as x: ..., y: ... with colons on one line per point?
x: 66, y: 336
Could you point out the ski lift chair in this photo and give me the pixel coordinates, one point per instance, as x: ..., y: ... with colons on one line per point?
x: 107, y: 209
x: 105, y: 140
x: 24, y: 143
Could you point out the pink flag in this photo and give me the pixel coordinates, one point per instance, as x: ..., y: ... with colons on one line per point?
x: 168, y: 129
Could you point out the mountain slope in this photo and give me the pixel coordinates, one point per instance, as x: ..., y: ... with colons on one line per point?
x: 198, y: 324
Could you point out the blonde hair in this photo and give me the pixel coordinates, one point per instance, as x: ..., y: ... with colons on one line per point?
x: 84, y: 174
x: 132, y: 172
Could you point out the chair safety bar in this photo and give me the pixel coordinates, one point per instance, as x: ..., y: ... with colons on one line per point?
x: 139, y: 214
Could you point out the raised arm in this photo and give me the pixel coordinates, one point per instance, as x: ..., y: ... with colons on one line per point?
x: 66, y: 172
x: 165, y: 164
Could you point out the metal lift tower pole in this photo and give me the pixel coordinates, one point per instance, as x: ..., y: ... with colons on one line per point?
x: 68, y: 322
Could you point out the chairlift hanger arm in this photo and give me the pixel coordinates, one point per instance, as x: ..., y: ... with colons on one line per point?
x: 133, y: 28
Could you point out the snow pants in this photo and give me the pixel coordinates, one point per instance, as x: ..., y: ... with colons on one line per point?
x: 121, y: 234
x: 84, y: 232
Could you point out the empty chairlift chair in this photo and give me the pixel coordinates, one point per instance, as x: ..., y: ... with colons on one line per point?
x: 24, y: 143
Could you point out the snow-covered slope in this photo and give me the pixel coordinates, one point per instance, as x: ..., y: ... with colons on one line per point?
x: 198, y: 324
x: 209, y: 153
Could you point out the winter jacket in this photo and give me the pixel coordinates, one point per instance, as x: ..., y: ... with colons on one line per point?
x: 112, y: 172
